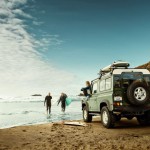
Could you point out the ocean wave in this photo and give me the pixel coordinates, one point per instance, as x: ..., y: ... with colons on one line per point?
x: 33, y: 99
x: 22, y: 112
x: 6, y: 101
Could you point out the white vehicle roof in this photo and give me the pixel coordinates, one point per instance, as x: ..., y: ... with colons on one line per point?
x: 119, y: 71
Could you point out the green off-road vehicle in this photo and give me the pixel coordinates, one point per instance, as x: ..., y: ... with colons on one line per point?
x: 119, y: 92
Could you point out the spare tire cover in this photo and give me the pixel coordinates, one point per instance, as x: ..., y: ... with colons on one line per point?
x: 138, y: 93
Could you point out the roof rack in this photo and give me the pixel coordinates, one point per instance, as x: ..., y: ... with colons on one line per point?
x: 115, y: 65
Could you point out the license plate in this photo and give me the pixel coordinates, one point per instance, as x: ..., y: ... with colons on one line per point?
x: 117, y: 98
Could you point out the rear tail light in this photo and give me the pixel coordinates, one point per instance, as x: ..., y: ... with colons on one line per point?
x: 117, y: 104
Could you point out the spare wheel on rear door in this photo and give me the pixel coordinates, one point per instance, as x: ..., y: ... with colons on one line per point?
x: 138, y: 93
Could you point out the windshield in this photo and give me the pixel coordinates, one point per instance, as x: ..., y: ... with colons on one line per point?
x: 132, y: 75
x: 129, y: 77
x: 126, y: 78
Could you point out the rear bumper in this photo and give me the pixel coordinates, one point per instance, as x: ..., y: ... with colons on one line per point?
x: 131, y: 110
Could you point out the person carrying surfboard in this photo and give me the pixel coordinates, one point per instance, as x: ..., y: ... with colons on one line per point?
x: 87, y: 91
x: 48, y: 102
x: 62, y: 99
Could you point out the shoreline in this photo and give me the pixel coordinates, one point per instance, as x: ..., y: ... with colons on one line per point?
x: 58, y: 136
x: 38, y: 123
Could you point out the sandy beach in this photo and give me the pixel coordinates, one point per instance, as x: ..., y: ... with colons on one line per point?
x: 126, y: 135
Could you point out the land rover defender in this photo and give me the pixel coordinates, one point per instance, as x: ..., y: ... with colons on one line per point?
x: 119, y: 92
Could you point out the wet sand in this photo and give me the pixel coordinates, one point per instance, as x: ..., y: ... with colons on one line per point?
x: 127, y: 135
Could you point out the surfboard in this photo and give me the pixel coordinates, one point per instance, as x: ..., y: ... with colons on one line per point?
x: 115, y: 65
x: 68, y: 101
x: 121, y: 64
x: 75, y: 124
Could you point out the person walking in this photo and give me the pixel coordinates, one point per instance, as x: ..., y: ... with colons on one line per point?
x: 62, y: 99
x: 48, y: 103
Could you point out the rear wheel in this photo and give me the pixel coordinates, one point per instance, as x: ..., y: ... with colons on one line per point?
x: 86, y: 116
x: 107, y: 118
x: 142, y: 120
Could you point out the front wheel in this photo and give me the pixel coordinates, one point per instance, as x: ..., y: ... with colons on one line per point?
x: 86, y: 116
x: 107, y: 118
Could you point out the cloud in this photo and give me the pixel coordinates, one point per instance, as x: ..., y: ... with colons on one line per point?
x: 23, y: 70
x: 37, y: 23
x: 21, y: 13
x: 14, y: 3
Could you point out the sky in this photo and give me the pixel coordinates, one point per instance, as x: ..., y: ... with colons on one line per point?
x: 56, y: 45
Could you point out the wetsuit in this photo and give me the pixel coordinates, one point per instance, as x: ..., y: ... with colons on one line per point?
x: 87, y: 91
x: 48, y: 103
x: 62, y: 99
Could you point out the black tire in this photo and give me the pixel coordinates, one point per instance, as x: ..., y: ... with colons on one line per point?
x: 148, y: 117
x: 138, y: 93
x: 107, y: 118
x: 86, y: 116
x: 142, y: 120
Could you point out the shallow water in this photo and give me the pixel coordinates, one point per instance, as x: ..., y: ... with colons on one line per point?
x: 26, y: 113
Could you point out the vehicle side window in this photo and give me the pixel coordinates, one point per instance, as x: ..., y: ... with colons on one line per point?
x: 102, y: 85
x: 108, y: 83
x: 94, y: 90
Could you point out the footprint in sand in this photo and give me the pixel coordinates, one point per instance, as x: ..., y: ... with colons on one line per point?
x: 24, y: 130
x: 26, y: 144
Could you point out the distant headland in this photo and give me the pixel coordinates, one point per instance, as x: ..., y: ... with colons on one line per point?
x: 36, y: 95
